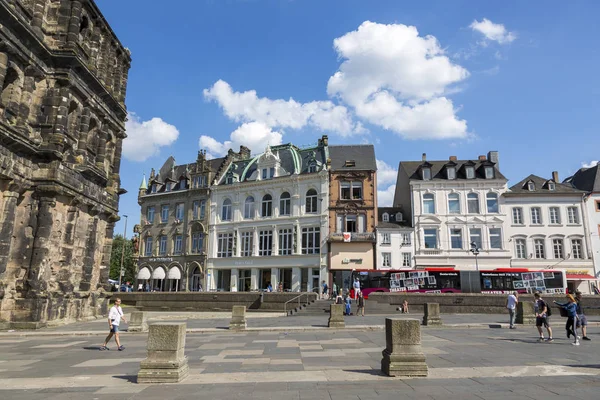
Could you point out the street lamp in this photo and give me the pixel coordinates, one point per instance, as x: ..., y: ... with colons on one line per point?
x: 122, y: 253
x: 475, y: 250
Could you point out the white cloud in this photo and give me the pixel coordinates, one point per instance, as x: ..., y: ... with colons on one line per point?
x: 385, y: 174
x: 590, y: 164
x: 492, y: 31
x: 396, y: 79
x: 145, y: 138
x: 254, y: 135
x: 385, y: 198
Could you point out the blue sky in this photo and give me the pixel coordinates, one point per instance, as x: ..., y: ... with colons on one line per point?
x: 444, y: 78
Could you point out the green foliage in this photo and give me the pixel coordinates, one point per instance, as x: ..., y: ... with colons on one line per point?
x: 128, y: 261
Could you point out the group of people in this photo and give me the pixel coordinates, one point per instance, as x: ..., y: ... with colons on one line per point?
x: 356, y: 293
x: 576, y: 318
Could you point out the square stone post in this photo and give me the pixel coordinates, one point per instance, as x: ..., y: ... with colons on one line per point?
x: 336, y: 316
x: 525, y: 313
x: 138, y: 322
x: 238, y: 318
x: 166, y: 361
x: 432, y: 314
x: 403, y: 355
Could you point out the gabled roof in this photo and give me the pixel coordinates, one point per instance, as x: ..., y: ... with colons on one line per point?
x: 362, y: 154
x: 438, y: 169
x: 541, y: 187
x: 586, y: 179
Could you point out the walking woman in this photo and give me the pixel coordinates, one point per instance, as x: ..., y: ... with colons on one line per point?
x: 571, y: 308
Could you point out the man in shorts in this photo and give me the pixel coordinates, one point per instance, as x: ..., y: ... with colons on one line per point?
x: 115, y: 315
x: 356, y: 287
x: 581, y: 319
x: 541, y: 317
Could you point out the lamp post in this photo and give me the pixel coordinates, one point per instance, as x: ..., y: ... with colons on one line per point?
x: 475, y: 250
x: 122, y: 252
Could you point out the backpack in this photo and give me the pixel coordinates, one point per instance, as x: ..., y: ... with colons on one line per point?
x: 548, y: 309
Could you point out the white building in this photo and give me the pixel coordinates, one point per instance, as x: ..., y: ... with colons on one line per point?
x: 394, y: 240
x: 269, y: 221
x: 546, y: 229
x: 455, y: 203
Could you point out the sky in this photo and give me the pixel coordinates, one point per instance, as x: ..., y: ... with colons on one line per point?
x: 444, y: 78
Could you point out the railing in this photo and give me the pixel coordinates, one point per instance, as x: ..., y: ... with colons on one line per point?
x: 299, y: 297
x: 431, y: 252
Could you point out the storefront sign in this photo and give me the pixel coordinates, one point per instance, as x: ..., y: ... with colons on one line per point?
x: 161, y: 259
x: 246, y: 262
x: 352, y: 261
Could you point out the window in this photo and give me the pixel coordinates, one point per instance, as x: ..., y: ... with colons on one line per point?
x: 456, y: 238
x: 351, y: 190
x: 406, y: 257
x: 285, y: 242
x: 150, y: 215
x: 195, y: 209
x: 517, y: 215
x: 473, y: 203
x: 492, y: 203
x: 224, y: 245
x: 311, y: 202
x: 454, y: 203
x: 489, y: 172
x: 179, y: 211
x: 182, y: 183
x: 268, y: 173
x: 148, y: 249
x: 495, y: 238
x: 538, y: 245
x: 311, y: 239
x: 557, y: 247
x: 197, y: 242
x: 247, y: 245
x: 531, y: 186
x: 427, y: 174
x: 198, y: 181
x: 520, y: 249
x: 267, y: 206
x: 387, y: 259
x: 451, y: 173
x: 285, y: 204
x: 385, y: 238
x: 164, y: 214
x: 470, y: 172
x: 177, y: 244
x: 350, y: 163
x: 428, y: 204
x: 154, y: 188
x: 168, y: 187
x: 405, y: 239
x: 573, y: 214
x: 226, y: 210
x: 551, y: 186
x: 229, y: 179
x: 249, y: 208
x: 350, y: 223
x: 554, y: 215
x: 265, y: 243
x: 475, y: 234
x: 386, y: 217
x: 536, y: 216
x: 576, y: 248
x: 202, y: 208
x: 430, y: 238
x: 597, y: 205
x: 162, y: 245
x: 312, y: 168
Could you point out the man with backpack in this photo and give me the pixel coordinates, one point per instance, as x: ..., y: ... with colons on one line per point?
x: 542, y: 317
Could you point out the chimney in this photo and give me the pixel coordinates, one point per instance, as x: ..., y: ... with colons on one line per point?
x: 424, y: 157
x: 493, y: 157
x: 555, y: 176
x: 324, y: 141
x: 452, y: 158
x: 245, y: 153
x: 482, y: 158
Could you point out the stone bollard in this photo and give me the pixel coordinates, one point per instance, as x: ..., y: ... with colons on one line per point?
x: 138, y: 322
x: 336, y: 316
x: 403, y: 355
x: 525, y: 313
x: 238, y: 318
x: 432, y: 314
x: 166, y: 361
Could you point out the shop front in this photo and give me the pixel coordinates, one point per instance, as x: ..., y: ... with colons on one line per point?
x: 582, y: 280
x: 346, y: 257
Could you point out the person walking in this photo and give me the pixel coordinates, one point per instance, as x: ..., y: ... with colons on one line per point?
x: 325, y: 294
x: 115, y: 315
x: 581, y: 318
x: 356, y: 286
x: 348, y: 305
x: 542, y: 317
x: 511, y: 305
x: 571, y: 308
x: 361, y: 305
x: 334, y: 293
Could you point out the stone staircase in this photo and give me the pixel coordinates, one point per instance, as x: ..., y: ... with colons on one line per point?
x: 315, y: 308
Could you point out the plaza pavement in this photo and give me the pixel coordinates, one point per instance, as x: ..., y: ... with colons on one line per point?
x: 272, y: 362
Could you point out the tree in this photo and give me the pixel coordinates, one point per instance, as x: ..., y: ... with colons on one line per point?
x: 128, y: 261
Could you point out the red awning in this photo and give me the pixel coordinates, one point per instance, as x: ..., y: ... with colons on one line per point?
x: 580, y: 277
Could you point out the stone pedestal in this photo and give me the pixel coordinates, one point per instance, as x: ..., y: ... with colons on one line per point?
x: 138, y: 322
x: 166, y: 361
x: 432, y: 314
x: 403, y: 355
x: 238, y: 318
x: 336, y: 316
x: 525, y: 313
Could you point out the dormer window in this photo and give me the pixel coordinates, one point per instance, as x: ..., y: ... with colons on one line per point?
x: 350, y: 163
x: 398, y: 216
x: 182, y: 183
x: 470, y: 172
x: 530, y: 186
x: 426, y: 174
x: 168, y: 187
x: 451, y: 173
x: 229, y: 179
x: 312, y: 168
x: 551, y: 186
x: 386, y: 217
x: 489, y: 172
x: 154, y: 188
x: 268, y: 173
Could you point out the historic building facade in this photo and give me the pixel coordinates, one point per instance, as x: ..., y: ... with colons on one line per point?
x: 268, y: 221
x: 352, y: 211
x: 173, y: 230
x: 546, y: 229
x: 63, y: 75
x: 394, y: 240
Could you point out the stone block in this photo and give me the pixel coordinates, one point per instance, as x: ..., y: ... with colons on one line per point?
x: 138, y: 322
x: 238, y: 318
x: 166, y: 361
x: 336, y: 316
x: 432, y: 314
x: 403, y: 355
x: 525, y: 313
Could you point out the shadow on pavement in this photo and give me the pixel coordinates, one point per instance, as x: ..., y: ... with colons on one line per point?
x: 96, y: 348
x: 128, y: 378
x: 373, y: 372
